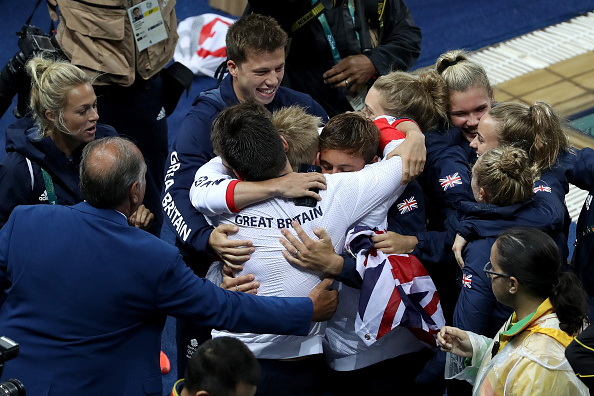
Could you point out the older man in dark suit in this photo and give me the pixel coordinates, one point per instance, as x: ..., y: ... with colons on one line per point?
x: 86, y: 295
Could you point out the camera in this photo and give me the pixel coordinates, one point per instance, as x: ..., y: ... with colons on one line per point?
x: 8, y: 350
x: 13, y: 77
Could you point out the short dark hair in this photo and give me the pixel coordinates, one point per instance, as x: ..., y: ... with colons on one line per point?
x: 352, y: 133
x: 219, y: 365
x: 107, y: 184
x: 243, y: 135
x: 253, y: 33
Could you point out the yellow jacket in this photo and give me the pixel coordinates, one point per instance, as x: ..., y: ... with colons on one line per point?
x: 530, y: 359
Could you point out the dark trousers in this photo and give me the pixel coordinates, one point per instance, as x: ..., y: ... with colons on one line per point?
x: 290, y: 378
x: 390, y: 377
x: 188, y: 338
x: 137, y: 112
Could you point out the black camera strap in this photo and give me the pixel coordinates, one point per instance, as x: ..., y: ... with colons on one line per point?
x: 28, y: 22
x: 33, y: 13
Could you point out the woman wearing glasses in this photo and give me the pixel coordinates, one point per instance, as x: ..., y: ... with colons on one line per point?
x: 526, y: 357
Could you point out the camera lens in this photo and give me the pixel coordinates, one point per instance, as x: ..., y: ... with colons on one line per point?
x: 12, y: 387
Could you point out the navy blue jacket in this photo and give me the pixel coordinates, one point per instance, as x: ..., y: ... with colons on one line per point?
x: 477, y: 309
x: 445, y: 182
x: 16, y: 187
x: 582, y: 175
x: 88, y: 302
x: 407, y: 215
x: 546, y: 211
x: 191, y: 150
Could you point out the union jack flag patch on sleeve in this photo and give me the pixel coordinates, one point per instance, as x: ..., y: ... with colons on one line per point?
x: 467, y: 281
x: 407, y: 205
x: 542, y: 188
x: 450, y: 181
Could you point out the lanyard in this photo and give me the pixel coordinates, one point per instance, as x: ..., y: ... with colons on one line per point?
x: 381, y: 7
x: 328, y: 32
x: 49, y: 187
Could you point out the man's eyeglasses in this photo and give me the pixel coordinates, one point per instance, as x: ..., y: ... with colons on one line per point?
x: 489, y: 271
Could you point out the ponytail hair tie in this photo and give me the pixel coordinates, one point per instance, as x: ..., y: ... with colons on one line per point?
x: 449, y: 63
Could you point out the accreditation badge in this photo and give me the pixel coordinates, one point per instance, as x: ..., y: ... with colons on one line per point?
x: 147, y: 24
x: 358, y: 101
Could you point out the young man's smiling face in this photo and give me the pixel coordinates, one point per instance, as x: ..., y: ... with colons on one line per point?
x: 259, y: 77
x: 338, y: 161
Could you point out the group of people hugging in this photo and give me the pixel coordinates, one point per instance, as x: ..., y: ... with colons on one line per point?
x: 473, y: 189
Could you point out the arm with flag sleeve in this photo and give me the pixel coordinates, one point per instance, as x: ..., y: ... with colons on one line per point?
x: 477, y: 309
x: 448, y: 178
x: 408, y: 213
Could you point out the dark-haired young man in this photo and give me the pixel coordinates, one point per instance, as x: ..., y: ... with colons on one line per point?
x: 250, y: 146
x: 256, y: 60
x: 347, y: 143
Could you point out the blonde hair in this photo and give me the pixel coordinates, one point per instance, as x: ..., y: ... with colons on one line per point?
x: 300, y: 130
x: 51, y: 81
x: 506, y: 174
x: 422, y: 97
x: 536, y: 129
x: 460, y: 73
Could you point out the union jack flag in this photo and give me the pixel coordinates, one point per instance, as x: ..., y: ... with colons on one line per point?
x: 542, y: 188
x: 396, y: 291
x: 467, y: 281
x: 407, y: 205
x: 450, y: 181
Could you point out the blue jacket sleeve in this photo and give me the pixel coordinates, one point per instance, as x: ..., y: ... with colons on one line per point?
x: 400, y: 44
x: 544, y: 212
x: 477, y: 309
x: 191, y: 150
x: 5, y: 233
x: 582, y: 172
x: 407, y: 215
x: 15, y: 185
x: 182, y: 294
x: 434, y: 247
x: 349, y: 274
x: 450, y: 182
